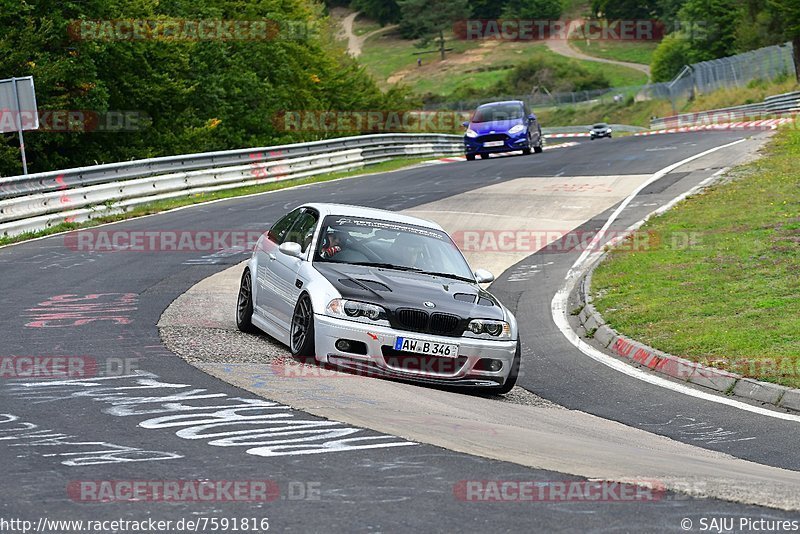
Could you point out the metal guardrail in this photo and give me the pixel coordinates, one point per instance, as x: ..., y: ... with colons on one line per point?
x: 785, y: 103
x: 38, y: 201
x: 772, y: 105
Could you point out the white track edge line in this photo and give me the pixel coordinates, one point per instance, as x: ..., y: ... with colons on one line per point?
x: 558, y: 306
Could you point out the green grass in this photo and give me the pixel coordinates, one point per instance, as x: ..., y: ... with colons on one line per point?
x: 363, y: 25
x: 168, y: 204
x: 732, y: 297
x: 630, y: 51
x: 635, y: 114
x: 387, y: 55
x: 617, y: 76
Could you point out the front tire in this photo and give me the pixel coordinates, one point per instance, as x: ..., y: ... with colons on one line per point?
x: 470, y: 157
x: 484, y: 156
x: 244, y: 305
x: 301, y: 333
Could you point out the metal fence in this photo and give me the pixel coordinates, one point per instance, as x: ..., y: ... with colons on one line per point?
x: 38, y: 201
x: 737, y: 71
x: 766, y: 64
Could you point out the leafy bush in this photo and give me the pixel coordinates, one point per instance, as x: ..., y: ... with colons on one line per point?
x: 670, y: 57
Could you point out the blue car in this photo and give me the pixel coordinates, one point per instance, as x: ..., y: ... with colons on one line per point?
x: 502, y: 127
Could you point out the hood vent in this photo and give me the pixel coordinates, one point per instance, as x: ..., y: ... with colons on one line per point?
x: 466, y: 297
x: 363, y: 284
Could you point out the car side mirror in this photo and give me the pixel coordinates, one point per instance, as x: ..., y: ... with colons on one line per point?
x: 465, y: 124
x: 292, y: 249
x: 482, y: 276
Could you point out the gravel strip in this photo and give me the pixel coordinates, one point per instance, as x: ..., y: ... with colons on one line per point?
x: 220, y: 345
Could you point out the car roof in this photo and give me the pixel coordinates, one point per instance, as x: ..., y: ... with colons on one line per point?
x: 325, y: 209
x: 502, y: 102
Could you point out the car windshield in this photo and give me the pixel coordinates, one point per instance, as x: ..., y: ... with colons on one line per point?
x: 601, y: 125
x: 498, y: 112
x: 393, y: 245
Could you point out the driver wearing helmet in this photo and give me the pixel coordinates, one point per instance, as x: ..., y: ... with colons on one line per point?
x: 332, y: 244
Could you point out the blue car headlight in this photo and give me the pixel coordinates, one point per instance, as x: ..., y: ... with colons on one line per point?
x: 514, y: 130
x: 471, y: 133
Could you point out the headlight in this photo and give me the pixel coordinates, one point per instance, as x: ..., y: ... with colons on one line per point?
x: 516, y: 129
x: 355, y: 310
x: 488, y: 327
x: 471, y: 133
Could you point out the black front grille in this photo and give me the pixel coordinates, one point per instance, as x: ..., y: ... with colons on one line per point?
x: 438, y: 323
x: 491, y: 137
x: 416, y: 320
x: 442, y: 323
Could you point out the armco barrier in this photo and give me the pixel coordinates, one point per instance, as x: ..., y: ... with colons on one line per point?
x: 38, y: 201
x: 772, y: 105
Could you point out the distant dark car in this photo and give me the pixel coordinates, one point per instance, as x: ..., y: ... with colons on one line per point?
x: 502, y: 127
x: 600, y: 129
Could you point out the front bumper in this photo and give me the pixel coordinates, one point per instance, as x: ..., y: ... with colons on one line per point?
x: 475, y: 145
x: 380, y: 359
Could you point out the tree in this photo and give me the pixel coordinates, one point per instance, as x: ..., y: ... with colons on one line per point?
x: 200, y: 95
x: 623, y: 9
x: 789, y: 13
x: 533, y: 10
x: 383, y: 11
x: 711, y: 29
x: 429, y: 19
x: 670, y: 57
x: 486, y: 9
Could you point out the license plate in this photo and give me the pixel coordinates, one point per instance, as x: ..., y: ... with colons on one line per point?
x: 493, y: 143
x: 426, y: 347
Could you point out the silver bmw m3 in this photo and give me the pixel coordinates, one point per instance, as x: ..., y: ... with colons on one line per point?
x: 378, y: 292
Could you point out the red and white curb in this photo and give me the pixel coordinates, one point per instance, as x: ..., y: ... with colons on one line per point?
x: 559, y: 135
x: 453, y: 159
x: 766, y: 124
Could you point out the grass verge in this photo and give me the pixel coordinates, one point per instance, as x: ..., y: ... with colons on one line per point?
x: 629, y: 51
x: 472, y: 64
x: 168, y: 204
x: 720, y: 285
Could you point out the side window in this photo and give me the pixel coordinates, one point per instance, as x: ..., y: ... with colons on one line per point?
x: 303, y: 229
x: 279, y: 230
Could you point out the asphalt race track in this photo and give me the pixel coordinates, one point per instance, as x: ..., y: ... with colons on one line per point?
x: 151, y: 416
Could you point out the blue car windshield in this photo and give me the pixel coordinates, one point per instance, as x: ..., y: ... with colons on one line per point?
x: 498, y: 112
